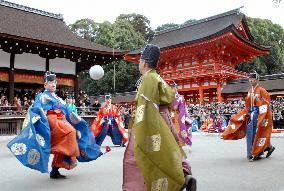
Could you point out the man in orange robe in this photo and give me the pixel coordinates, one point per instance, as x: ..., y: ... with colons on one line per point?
x: 108, y: 122
x: 254, y: 122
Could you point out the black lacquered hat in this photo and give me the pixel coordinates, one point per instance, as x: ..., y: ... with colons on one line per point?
x: 108, y: 96
x: 254, y: 75
x: 49, y: 76
x: 151, y: 53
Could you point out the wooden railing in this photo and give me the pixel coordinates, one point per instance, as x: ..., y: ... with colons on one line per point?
x: 193, y: 71
x: 22, y: 111
x: 11, y: 118
x: 10, y: 125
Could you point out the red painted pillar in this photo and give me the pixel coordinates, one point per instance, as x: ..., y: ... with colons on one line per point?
x: 219, y: 96
x: 201, y: 96
x: 193, y: 97
x: 210, y: 96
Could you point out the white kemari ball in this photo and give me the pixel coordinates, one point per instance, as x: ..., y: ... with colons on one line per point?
x: 96, y: 72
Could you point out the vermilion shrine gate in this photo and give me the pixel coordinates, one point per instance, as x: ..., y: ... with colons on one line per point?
x: 201, y: 56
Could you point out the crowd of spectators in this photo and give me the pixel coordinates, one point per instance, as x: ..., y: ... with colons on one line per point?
x: 278, y: 112
x: 226, y: 110
x: 82, y: 105
x: 22, y: 100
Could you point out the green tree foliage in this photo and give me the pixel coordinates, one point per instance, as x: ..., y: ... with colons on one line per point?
x: 189, y: 21
x: 126, y: 75
x: 128, y: 32
x: 120, y: 34
x: 268, y: 34
x: 167, y: 27
x: 140, y: 23
x: 85, y: 28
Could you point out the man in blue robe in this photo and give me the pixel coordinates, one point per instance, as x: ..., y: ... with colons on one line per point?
x: 51, y: 128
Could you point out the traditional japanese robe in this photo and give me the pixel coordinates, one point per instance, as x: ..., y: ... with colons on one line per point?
x: 72, y: 107
x: 156, y: 151
x: 254, y: 122
x: 218, y: 125
x: 108, y: 121
x: 50, y: 127
x: 208, y: 123
x: 184, y: 121
x: 194, y: 125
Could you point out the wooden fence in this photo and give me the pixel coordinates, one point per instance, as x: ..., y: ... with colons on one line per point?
x: 11, y: 119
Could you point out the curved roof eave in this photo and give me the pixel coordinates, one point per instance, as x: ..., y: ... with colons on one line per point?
x: 230, y: 28
x: 107, y: 51
x: 252, y: 43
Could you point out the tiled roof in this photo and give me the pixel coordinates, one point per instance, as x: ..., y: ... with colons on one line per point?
x: 21, y: 21
x: 269, y: 82
x: 201, y: 30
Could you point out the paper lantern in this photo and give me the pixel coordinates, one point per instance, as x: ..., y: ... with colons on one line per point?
x: 96, y: 72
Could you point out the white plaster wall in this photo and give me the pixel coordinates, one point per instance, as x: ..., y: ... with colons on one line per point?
x: 194, y: 85
x: 62, y: 65
x: 4, y: 59
x: 29, y: 62
x: 187, y: 86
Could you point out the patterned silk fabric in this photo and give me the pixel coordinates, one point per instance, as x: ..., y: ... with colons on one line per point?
x: 236, y: 129
x: 156, y: 151
x: 105, y: 111
x: 32, y: 146
x: 184, y: 119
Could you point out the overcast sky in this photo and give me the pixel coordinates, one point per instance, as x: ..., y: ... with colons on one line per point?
x: 157, y: 11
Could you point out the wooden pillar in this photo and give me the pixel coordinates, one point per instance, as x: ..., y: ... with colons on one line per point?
x: 211, y: 95
x: 76, y: 82
x: 225, y: 99
x: 219, y: 96
x: 194, y: 97
x: 47, y: 64
x: 11, y: 77
x: 186, y: 97
x: 201, y: 96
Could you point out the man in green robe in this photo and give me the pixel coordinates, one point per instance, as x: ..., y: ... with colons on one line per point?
x: 153, y: 159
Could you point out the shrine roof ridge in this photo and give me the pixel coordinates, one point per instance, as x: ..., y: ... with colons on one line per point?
x: 231, y: 12
x: 31, y: 10
x: 271, y: 83
x: 261, y: 78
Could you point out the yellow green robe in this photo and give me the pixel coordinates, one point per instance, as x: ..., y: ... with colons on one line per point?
x: 156, y: 151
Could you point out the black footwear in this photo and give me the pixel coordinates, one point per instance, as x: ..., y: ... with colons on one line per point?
x: 54, y: 174
x: 269, y: 150
x: 57, y: 176
x: 123, y: 145
x: 190, y: 183
x: 257, y: 157
x: 251, y: 159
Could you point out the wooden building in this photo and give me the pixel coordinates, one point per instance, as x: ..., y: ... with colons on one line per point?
x: 201, y: 56
x: 33, y: 41
x: 238, y: 89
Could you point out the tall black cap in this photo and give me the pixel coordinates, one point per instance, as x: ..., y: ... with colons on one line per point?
x: 151, y: 54
x: 253, y: 74
x: 49, y: 76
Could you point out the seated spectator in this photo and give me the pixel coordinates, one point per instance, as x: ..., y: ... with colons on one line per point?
x: 96, y: 105
x: 71, y: 105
